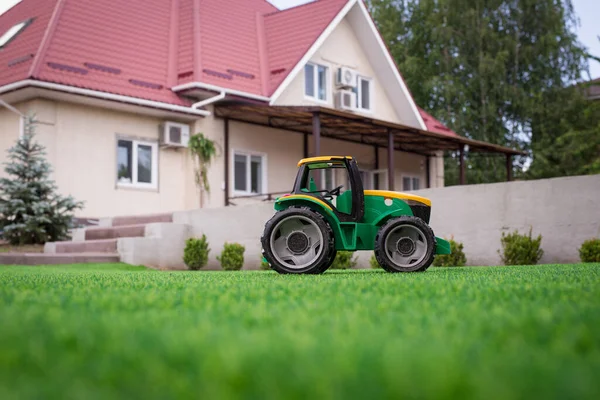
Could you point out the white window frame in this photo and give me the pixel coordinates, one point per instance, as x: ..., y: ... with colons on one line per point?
x: 248, y: 155
x: 359, y: 94
x: 316, y: 83
x: 370, y: 173
x: 333, y: 178
x: 134, y: 164
x: 411, y: 182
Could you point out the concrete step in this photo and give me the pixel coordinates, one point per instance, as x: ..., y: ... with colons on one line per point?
x: 135, y: 219
x: 88, y: 246
x: 100, y: 233
x: 49, y: 259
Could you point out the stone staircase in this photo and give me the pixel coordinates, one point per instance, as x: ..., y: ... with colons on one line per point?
x: 95, y: 244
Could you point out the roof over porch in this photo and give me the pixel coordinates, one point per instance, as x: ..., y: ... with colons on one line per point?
x: 352, y: 127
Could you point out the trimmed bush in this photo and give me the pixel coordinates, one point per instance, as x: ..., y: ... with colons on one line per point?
x: 456, y: 258
x: 373, y: 262
x: 589, y: 251
x: 520, y: 249
x: 232, y: 257
x: 344, y: 260
x: 264, y: 265
x: 195, y: 253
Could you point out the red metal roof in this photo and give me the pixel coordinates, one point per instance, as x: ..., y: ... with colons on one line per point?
x: 433, y: 125
x: 292, y: 32
x: 142, y: 48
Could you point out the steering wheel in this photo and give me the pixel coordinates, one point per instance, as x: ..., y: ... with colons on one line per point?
x: 336, y: 191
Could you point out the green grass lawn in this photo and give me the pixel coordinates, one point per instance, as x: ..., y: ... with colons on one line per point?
x: 125, y: 332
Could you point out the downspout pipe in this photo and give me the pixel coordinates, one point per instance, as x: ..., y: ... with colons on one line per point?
x: 21, y: 117
x: 210, y: 100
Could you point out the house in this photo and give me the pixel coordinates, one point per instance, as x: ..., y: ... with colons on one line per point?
x: 118, y: 87
x: 593, y: 91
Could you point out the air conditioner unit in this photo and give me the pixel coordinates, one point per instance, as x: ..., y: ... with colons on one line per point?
x: 345, y: 77
x: 174, y: 134
x: 345, y: 100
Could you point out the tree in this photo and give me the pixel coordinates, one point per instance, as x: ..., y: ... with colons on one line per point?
x: 203, y: 150
x: 483, y: 66
x: 567, y: 140
x: 31, y: 210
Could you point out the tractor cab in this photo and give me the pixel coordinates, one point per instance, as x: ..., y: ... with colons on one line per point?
x: 334, y: 180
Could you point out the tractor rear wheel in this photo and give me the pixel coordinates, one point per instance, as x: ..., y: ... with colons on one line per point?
x: 405, y: 244
x: 298, y: 240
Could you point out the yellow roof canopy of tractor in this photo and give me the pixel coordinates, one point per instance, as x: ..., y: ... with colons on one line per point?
x: 322, y: 158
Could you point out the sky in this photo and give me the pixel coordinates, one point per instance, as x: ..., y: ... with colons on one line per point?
x: 588, y: 12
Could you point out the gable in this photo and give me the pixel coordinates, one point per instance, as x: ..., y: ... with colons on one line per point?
x: 342, y: 49
x: 352, y: 41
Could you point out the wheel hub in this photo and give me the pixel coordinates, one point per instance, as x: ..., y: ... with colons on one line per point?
x: 406, y: 246
x: 298, y: 242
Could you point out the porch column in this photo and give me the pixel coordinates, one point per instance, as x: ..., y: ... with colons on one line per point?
x: 390, y: 161
x: 376, y: 183
x: 305, y: 153
x: 226, y: 157
x: 428, y: 171
x: 509, y: 168
x: 316, y: 134
x: 461, y: 165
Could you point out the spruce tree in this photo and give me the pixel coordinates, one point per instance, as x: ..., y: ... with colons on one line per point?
x: 31, y: 210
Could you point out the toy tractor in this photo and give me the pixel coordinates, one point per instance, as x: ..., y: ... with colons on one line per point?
x: 313, y: 223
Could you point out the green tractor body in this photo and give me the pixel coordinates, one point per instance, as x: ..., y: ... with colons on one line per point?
x: 316, y: 220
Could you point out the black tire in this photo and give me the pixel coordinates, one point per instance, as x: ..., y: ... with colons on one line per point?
x: 324, y: 259
x: 427, y: 236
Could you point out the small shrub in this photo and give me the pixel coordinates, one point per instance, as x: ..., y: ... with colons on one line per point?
x: 195, y: 254
x: 264, y: 264
x: 344, y: 260
x: 589, y: 251
x: 373, y: 262
x: 232, y: 257
x: 456, y: 258
x: 520, y: 249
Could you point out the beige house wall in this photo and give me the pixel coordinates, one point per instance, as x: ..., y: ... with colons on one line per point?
x: 342, y: 49
x: 9, y: 132
x: 81, y: 145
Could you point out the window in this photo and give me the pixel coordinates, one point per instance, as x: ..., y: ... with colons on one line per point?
x: 374, y: 180
x: 12, y: 32
x: 316, y: 81
x: 411, y: 183
x: 137, y: 163
x: 364, y: 89
x: 248, y: 173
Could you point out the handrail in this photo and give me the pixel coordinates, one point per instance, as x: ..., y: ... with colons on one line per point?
x: 269, y: 196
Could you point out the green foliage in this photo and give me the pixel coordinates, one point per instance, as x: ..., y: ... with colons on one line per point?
x: 31, y: 210
x: 483, y: 333
x: 264, y: 264
x: 203, y: 150
x: 344, y: 260
x: 520, y: 249
x: 232, y: 257
x: 456, y: 258
x: 484, y: 68
x: 567, y: 140
x: 373, y: 262
x: 195, y: 253
x: 590, y: 251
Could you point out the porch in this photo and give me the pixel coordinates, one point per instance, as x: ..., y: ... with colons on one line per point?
x: 315, y: 123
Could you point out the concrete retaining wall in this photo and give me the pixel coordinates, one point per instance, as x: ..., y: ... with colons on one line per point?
x: 566, y: 211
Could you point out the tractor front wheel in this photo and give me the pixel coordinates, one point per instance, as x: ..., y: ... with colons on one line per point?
x: 405, y: 244
x: 298, y: 240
